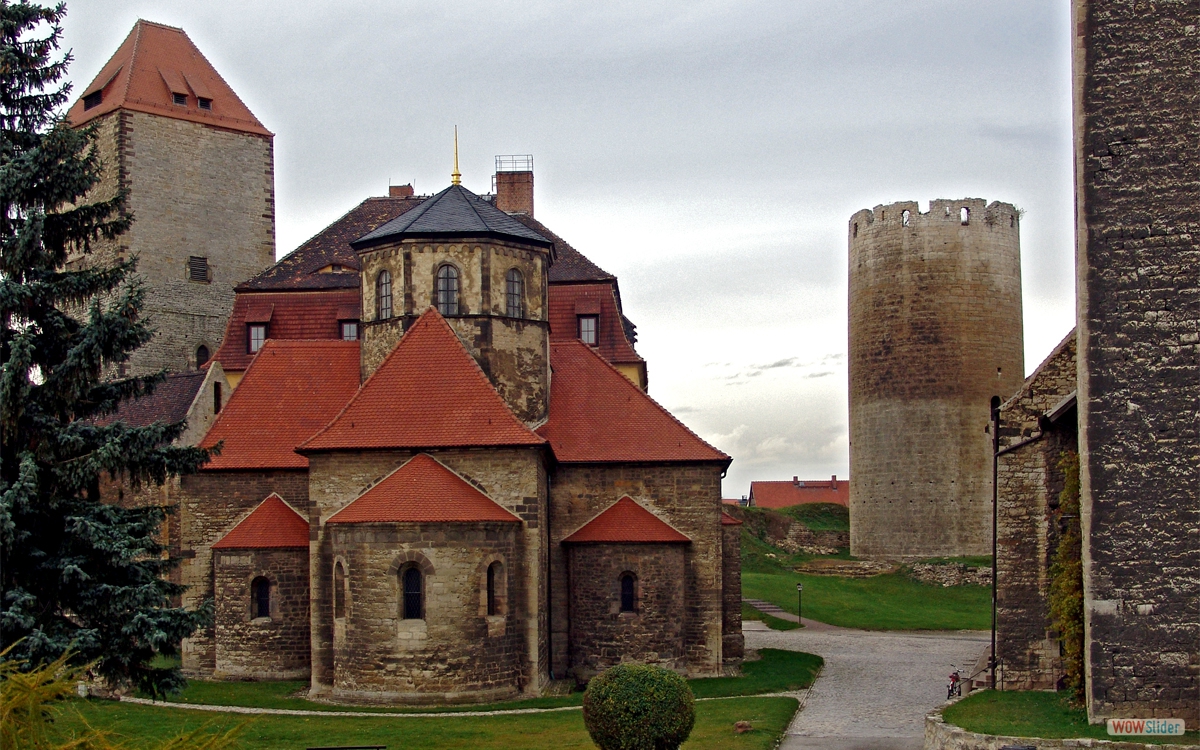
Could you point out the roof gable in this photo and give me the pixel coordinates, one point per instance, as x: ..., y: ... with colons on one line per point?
x: 455, y: 211
x: 423, y: 491
x: 598, y: 416
x: 290, y: 390
x: 428, y: 393
x: 152, y: 65
x: 626, y: 522
x: 273, y: 524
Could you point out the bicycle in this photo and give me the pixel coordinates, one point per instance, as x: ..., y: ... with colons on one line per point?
x: 955, y: 686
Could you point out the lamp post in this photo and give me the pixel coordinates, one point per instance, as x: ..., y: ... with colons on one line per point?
x: 800, y: 603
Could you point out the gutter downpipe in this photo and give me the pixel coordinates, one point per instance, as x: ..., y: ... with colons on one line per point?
x: 995, y: 526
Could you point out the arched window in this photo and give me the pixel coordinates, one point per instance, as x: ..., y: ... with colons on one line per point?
x: 964, y: 215
x: 339, y: 590
x: 260, y: 597
x: 515, y: 294
x: 628, y: 592
x: 493, y: 583
x: 411, y: 599
x: 447, y: 290
x: 383, y: 295
x: 202, y: 355
x: 904, y: 218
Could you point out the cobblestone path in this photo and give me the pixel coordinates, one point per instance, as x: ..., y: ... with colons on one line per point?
x: 876, y: 687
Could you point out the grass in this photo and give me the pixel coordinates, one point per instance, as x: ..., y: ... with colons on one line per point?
x: 1035, y: 714
x: 145, y: 725
x: 820, y: 516
x: 776, y: 671
x: 971, y: 561
x: 774, y: 623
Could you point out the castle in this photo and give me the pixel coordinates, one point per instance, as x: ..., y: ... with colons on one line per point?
x: 440, y: 476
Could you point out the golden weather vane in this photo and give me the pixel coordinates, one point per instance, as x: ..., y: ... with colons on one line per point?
x: 455, y: 176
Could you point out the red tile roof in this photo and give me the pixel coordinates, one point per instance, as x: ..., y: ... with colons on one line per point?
x: 169, y: 402
x: 151, y: 65
x: 728, y: 520
x: 288, y: 315
x: 422, y: 491
x: 428, y: 393
x: 797, y: 492
x: 626, y: 521
x: 273, y: 524
x: 598, y: 416
x: 290, y: 391
x: 300, y: 269
x: 568, y: 302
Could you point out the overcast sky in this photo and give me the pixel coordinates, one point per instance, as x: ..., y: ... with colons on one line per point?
x: 708, y: 153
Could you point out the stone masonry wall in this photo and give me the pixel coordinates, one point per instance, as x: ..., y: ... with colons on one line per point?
x: 688, y: 497
x: 733, y: 642
x: 1029, y: 485
x: 261, y: 648
x: 935, y: 334
x: 601, y: 634
x: 1138, y: 235
x: 210, y: 504
x: 456, y: 653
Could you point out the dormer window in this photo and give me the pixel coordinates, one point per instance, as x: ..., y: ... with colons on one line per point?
x: 180, y: 100
x: 204, y: 103
x: 588, y: 325
x: 256, y: 336
x: 349, y: 330
x: 93, y: 100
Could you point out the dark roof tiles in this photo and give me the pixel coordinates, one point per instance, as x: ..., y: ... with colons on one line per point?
x: 455, y: 211
x: 570, y: 265
x: 169, y: 403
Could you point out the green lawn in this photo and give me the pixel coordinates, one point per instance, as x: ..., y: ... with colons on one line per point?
x: 776, y: 671
x: 142, y: 725
x: 820, y: 516
x: 1034, y: 714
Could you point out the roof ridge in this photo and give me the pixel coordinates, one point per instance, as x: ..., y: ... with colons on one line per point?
x: 612, y: 507
x: 471, y: 205
x: 161, y: 25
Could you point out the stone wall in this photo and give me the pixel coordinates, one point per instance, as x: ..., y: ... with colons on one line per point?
x: 211, y: 503
x: 601, y: 634
x: 935, y: 334
x: 513, y: 352
x: 261, y: 648
x: 688, y: 497
x: 456, y: 653
x: 942, y: 736
x: 733, y: 642
x: 1138, y: 234
x: 1030, y: 482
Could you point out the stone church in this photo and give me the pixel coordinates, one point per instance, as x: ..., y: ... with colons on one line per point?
x: 440, y: 475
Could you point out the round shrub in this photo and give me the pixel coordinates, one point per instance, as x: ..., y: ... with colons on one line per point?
x: 638, y: 707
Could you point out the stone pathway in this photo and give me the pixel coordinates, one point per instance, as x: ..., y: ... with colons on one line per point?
x: 875, y: 688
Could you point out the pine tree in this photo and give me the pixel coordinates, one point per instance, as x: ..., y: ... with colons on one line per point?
x: 75, y: 573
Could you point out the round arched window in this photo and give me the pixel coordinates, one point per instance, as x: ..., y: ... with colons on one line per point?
x: 514, y: 285
x: 447, y: 290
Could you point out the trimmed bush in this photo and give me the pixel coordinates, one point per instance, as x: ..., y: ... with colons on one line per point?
x: 638, y: 707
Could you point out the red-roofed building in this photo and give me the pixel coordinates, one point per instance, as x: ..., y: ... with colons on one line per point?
x: 272, y: 525
x: 628, y: 523
x: 798, y: 492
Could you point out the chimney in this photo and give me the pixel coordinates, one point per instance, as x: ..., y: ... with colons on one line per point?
x: 514, y: 184
x: 833, y: 482
x: 795, y: 480
x: 400, y: 191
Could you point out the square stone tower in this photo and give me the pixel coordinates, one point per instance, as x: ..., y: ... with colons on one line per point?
x: 199, y: 170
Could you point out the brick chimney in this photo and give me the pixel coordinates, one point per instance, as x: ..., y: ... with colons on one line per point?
x: 400, y: 191
x: 795, y: 480
x: 833, y: 482
x: 514, y: 184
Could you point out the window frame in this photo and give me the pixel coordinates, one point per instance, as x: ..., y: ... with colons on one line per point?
x: 343, y: 324
x: 412, y: 601
x: 595, y: 320
x: 260, y: 594
x: 627, y: 600
x: 514, y: 299
x: 383, y: 295
x: 250, y: 339
x: 447, y: 300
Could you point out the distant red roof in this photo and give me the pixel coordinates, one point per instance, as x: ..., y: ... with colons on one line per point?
x: 567, y: 302
x: 291, y: 390
x: 626, y: 521
x: 423, y: 491
x: 272, y: 524
x: 798, y: 492
x: 287, y: 315
x: 598, y: 416
x: 151, y: 66
x: 728, y: 520
x: 428, y: 393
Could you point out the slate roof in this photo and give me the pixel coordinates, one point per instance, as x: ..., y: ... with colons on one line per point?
x: 428, y: 393
x: 568, y: 302
x: 272, y: 525
x: 288, y: 315
x: 455, y: 211
x: 291, y: 390
x: 151, y: 65
x: 299, y: 268
x: 598, y: 416
x: 570, y: 265
x: 169, y: 403
x: 423, y: 491
x: 626, y: 522
x: 796, y: 492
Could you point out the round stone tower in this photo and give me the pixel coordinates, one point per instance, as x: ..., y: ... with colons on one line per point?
x: 935, y: 336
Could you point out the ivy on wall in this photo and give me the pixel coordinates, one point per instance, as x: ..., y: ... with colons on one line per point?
x: 1066, y: 577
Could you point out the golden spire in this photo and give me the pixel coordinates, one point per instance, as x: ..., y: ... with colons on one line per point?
x: 455, y: 176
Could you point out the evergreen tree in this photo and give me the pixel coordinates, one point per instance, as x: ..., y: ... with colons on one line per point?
x: 75, y: 573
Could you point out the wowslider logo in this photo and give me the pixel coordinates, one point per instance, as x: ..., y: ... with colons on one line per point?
x: 1145, y: 726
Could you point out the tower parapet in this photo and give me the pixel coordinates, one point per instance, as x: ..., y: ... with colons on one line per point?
x: 935, y: 335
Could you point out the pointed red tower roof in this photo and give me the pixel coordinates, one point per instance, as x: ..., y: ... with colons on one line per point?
x: 626, y: 522
x: 273, y: 524
x: 423, y: 491
x: 598, y: 416
x: 153, y: 68
x: 289, y: 391
x: 428, y: 393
